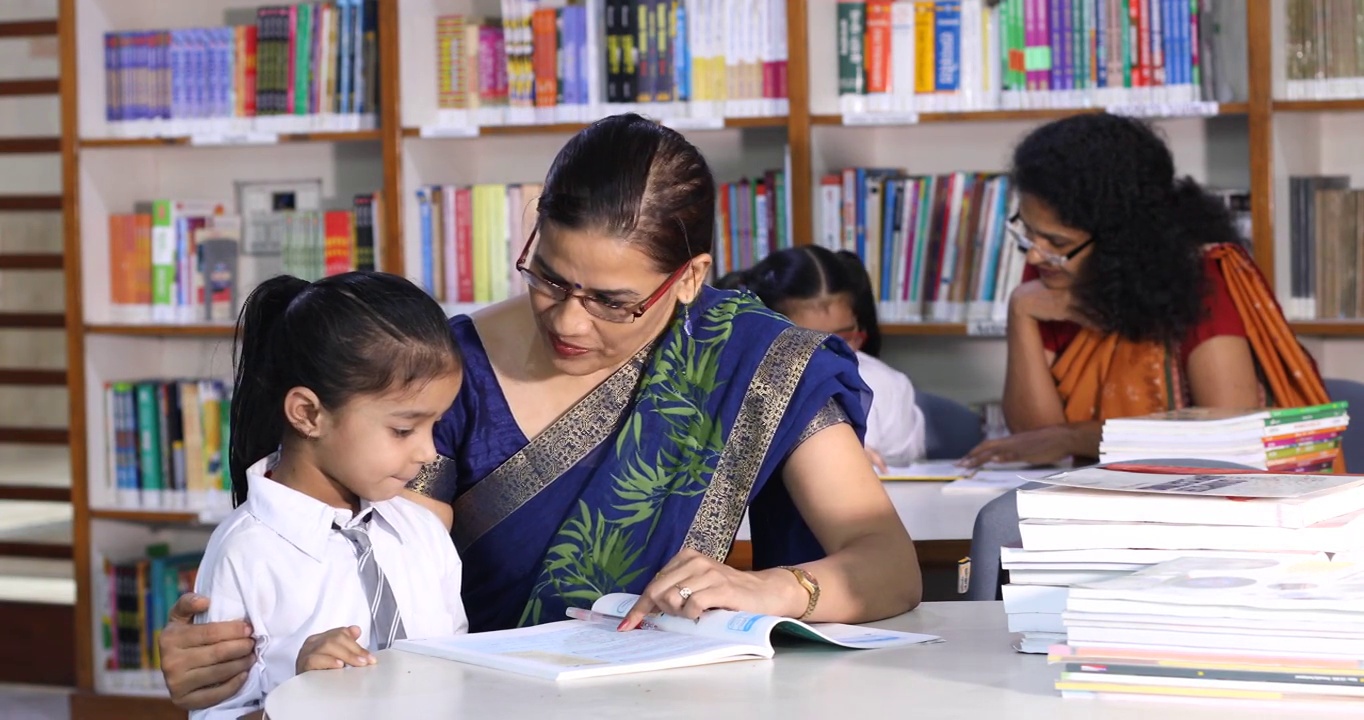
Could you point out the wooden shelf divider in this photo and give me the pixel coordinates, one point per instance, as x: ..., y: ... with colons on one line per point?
x: 24, y: 145
x: 32, y: 376
x: 28, y: 28
x: 16, y: 88
x: 31, y: 320
x: 34, y: 492
x: 19, y: 203
x: 34, y: 436
x: 30, y: 261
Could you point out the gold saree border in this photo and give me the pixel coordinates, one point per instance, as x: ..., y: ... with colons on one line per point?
x: 760, y: 414
x: 434, y: 478
x: 831, y: 414
x: 548, y: 456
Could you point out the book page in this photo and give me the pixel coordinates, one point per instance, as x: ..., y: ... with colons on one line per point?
x: 1271, y: 583
x: 1211, y: 484
x: 744, y: 628
x: 554, y: 649
x: 948, y: 470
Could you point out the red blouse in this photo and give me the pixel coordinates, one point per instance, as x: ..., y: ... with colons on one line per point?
x: 1221, y: 319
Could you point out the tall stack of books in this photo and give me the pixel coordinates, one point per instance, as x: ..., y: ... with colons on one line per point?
x: 1305, y: 439
x: 1266, y: 629
x: 1094, y: 524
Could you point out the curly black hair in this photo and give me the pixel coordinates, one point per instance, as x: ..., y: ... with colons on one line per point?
x: 1114, y: 178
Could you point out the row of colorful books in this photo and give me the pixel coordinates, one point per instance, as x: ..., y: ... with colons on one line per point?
x: 902, y: 56
x: 752, y: 219
x: 1324, y: 52
x: 135, y: 598
x: 470, y: 236
x: 166, y: 443
x: 184, y: 261
x: 542, y: 64
x: 311, y: 66
x: 1326, y: 267
x: 936, y: 247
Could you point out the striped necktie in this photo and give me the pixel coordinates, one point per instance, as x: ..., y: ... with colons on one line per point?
x: 387, y: 624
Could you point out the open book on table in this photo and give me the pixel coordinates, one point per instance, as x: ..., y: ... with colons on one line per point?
x: 592, y: 647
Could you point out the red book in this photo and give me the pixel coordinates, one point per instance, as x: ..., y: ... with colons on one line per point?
x: 464, y: 242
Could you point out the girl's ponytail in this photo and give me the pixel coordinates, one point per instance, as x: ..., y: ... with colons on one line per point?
x: 257, y: 391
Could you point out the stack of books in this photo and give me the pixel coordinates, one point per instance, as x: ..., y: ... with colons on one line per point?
x: 1305, y: 439
x: 1269, y: 629
x: 1099, y: 524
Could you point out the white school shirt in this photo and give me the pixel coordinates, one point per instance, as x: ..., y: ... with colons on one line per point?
x: 277, y: 562
x: 895, y: 424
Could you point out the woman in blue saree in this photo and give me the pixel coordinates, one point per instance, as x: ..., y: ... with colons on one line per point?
x: 616, y: 421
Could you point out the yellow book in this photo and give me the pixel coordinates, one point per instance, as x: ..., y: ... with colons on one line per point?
x: 925, y: 61
x: 482, y: 288
x: 210, y: 404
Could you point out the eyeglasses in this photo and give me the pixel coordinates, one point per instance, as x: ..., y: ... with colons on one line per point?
x: 1020, y: 232
x: 607, y: 310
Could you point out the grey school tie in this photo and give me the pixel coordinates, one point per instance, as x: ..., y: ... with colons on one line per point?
x: 383, y: 609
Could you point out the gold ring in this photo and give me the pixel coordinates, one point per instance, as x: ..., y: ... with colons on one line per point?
x: 685, y: 592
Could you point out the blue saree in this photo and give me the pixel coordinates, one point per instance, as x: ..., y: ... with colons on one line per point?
x: 666, y: 453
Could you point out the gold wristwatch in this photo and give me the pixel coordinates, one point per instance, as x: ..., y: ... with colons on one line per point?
x: 810, y: 584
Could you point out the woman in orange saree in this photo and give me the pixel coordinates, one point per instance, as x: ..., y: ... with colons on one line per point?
x: 1138, y: 297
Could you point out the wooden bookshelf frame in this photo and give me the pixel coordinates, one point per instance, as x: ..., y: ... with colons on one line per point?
x: 1259, y: 108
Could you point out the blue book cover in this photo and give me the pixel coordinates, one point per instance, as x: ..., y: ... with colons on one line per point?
x: 428, y: 274
x: 346, y: 37
x: 112, y: 105
x: 1049, y: 22
x: 1184, y: 51
x: 997, y: 238
x: 947, y: 53
x: 137, y: 62
x: 681, y: 54
x: 860, y: 210
x: 360, y: 23
x: 890, y: 220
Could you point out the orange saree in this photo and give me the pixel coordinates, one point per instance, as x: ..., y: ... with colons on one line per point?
x: 1102, y: 376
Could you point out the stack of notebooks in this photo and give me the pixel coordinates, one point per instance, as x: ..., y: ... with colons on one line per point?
x: 1098, y: 524
x: 1266, y: 629
x: 1305, y: 439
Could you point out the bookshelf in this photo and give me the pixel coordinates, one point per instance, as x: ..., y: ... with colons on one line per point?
x: 1255, y: 142
x: 37, y: 579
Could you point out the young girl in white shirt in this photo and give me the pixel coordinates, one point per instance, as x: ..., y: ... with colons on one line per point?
x: 338, y: 384
x: 821, y: 290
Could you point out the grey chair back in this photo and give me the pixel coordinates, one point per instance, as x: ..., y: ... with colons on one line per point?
x: 1352, y: 444
x: 950, y: 428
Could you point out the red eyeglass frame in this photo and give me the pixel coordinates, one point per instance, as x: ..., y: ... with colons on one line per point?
x: 639, y: 310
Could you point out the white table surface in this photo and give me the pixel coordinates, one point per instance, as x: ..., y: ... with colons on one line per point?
x: 929, y: 510
x: 974, y: 675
